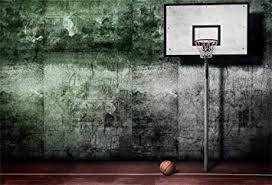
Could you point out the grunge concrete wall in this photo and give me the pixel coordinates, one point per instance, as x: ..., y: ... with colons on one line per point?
x: 87, y: 79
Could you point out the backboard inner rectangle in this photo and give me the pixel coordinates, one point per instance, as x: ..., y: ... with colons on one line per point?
x: 206, y: 32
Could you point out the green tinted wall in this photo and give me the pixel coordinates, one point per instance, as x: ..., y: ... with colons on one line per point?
x: 89, y: 80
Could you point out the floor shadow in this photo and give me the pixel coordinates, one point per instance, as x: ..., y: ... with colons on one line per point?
x: 212, y: 164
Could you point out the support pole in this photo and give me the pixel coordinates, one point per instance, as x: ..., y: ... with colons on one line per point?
x: 206, y: 113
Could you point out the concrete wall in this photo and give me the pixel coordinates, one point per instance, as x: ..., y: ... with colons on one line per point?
x: 88, y: 80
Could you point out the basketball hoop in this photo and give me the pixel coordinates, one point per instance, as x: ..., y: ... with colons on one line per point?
x: 206, y: 47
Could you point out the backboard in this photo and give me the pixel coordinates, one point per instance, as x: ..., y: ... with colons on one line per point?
x: 185, y: 23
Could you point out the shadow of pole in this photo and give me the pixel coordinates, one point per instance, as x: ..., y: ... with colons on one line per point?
x: 221, y: 113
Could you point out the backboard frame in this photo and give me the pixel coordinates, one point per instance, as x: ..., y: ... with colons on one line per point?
x: 190, y: 4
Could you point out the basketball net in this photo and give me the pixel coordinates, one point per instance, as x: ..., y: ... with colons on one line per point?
x: 206, y: 47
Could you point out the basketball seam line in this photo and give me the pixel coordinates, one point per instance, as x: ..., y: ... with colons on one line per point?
x: 162, y: 167
x: 167, y: 167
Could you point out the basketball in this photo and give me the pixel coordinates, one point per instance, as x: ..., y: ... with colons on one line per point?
x: 167, y: 167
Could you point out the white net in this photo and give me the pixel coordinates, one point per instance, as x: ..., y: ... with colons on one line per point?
x: 206, y: 47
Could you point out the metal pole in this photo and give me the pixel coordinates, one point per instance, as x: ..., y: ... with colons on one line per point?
x: 206, y: 113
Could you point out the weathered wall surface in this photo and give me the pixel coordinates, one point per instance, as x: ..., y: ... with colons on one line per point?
x: 88, y: 80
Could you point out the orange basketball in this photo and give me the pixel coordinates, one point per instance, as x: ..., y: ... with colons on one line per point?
x: 167, y: 167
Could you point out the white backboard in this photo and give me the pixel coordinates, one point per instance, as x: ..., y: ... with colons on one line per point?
x: 228, y: 23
